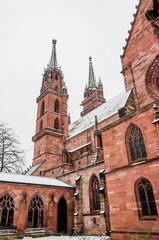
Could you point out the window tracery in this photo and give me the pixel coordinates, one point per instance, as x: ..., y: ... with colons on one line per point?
x: 136, y: 144
x: 35, y: 213
x: 145, y: 198
x: 7, y: 208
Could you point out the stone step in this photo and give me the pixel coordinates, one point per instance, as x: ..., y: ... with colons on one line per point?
x: 7, y: 233
x: 35, y: 231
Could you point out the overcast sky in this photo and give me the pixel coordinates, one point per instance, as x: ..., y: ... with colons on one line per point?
x: 83, y: 28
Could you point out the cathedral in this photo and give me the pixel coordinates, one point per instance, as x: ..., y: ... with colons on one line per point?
x: 100, y: 174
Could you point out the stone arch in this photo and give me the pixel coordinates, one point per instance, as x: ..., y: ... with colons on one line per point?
x: 62, y: 216
x: 35, y: 212
x: 135, y: 143
x: 7, y: 209
x: 145, y: 198
x: 152, y: 78
x: 94, y: 193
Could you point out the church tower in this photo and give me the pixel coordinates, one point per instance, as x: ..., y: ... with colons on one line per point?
x: 93, y: 94
x: 52, y: 118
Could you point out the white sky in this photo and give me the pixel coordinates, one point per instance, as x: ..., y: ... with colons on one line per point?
x: 82, y: 28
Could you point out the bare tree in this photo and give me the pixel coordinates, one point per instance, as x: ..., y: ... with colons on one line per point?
x: 11, y: 156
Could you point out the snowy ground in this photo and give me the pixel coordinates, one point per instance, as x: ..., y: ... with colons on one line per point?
x: 69, y: 238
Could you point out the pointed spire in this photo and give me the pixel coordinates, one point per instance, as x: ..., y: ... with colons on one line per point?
x: 100, y: 83
x: 53, y: 60
x: 91, y: 78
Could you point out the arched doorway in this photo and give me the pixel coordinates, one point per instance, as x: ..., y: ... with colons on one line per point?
x: 62, y: 216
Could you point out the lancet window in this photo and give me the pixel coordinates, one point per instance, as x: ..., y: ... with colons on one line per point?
x: 35, y: 213
x: 145, y: 198
x: 136, y: 144
x: 56, y: 123
x: 94, y: 194
x: 42, y: 109
x: 41, y: 125
x: 56, y: 77
x: 56, y: 108
x: 7, y: 208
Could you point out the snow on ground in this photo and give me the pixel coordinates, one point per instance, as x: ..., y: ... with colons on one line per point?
x: 69, y: 238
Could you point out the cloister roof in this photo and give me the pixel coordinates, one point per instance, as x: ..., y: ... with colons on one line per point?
x: 32, y: 180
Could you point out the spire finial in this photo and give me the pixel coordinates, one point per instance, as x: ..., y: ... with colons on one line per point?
x: 53, y: 60
x: 91, y: 78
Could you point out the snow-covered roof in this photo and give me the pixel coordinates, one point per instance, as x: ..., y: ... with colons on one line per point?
x: 34, y: 168
x: 103, y: 112
x: 32, y: 180
x: 85, y: 145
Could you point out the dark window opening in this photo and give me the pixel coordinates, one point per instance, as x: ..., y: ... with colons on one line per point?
x: 56, y: 87
x: 157, y: 81
x: 41, y: 125
x: 62, y: 216
x: 136, y: 144
x: 95, y: 201
x: 99, y: 141
x: 146, y: 198
x: 35, y: 213
x: 56, y: 77
x: 7, y: 207
x: 56, y: 108
x: 67, y: 158
x: 56, y: 123
x: 42, y: 108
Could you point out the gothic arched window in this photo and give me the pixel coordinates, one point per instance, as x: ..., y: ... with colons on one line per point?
x: 35, y: 213
x: 145, y: 198
x: 7, y: 208
x: 56, y: 77
x: 94, y: 194
x: 56, y: 123
x: 135, y: 143
x: 56, y: 107
x: 42, y: 109
x: 41, y: 125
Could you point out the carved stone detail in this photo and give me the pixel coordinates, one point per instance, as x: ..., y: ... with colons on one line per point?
x: 151, y: 79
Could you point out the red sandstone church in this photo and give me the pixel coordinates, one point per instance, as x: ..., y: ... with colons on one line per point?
x: 99, y: 175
